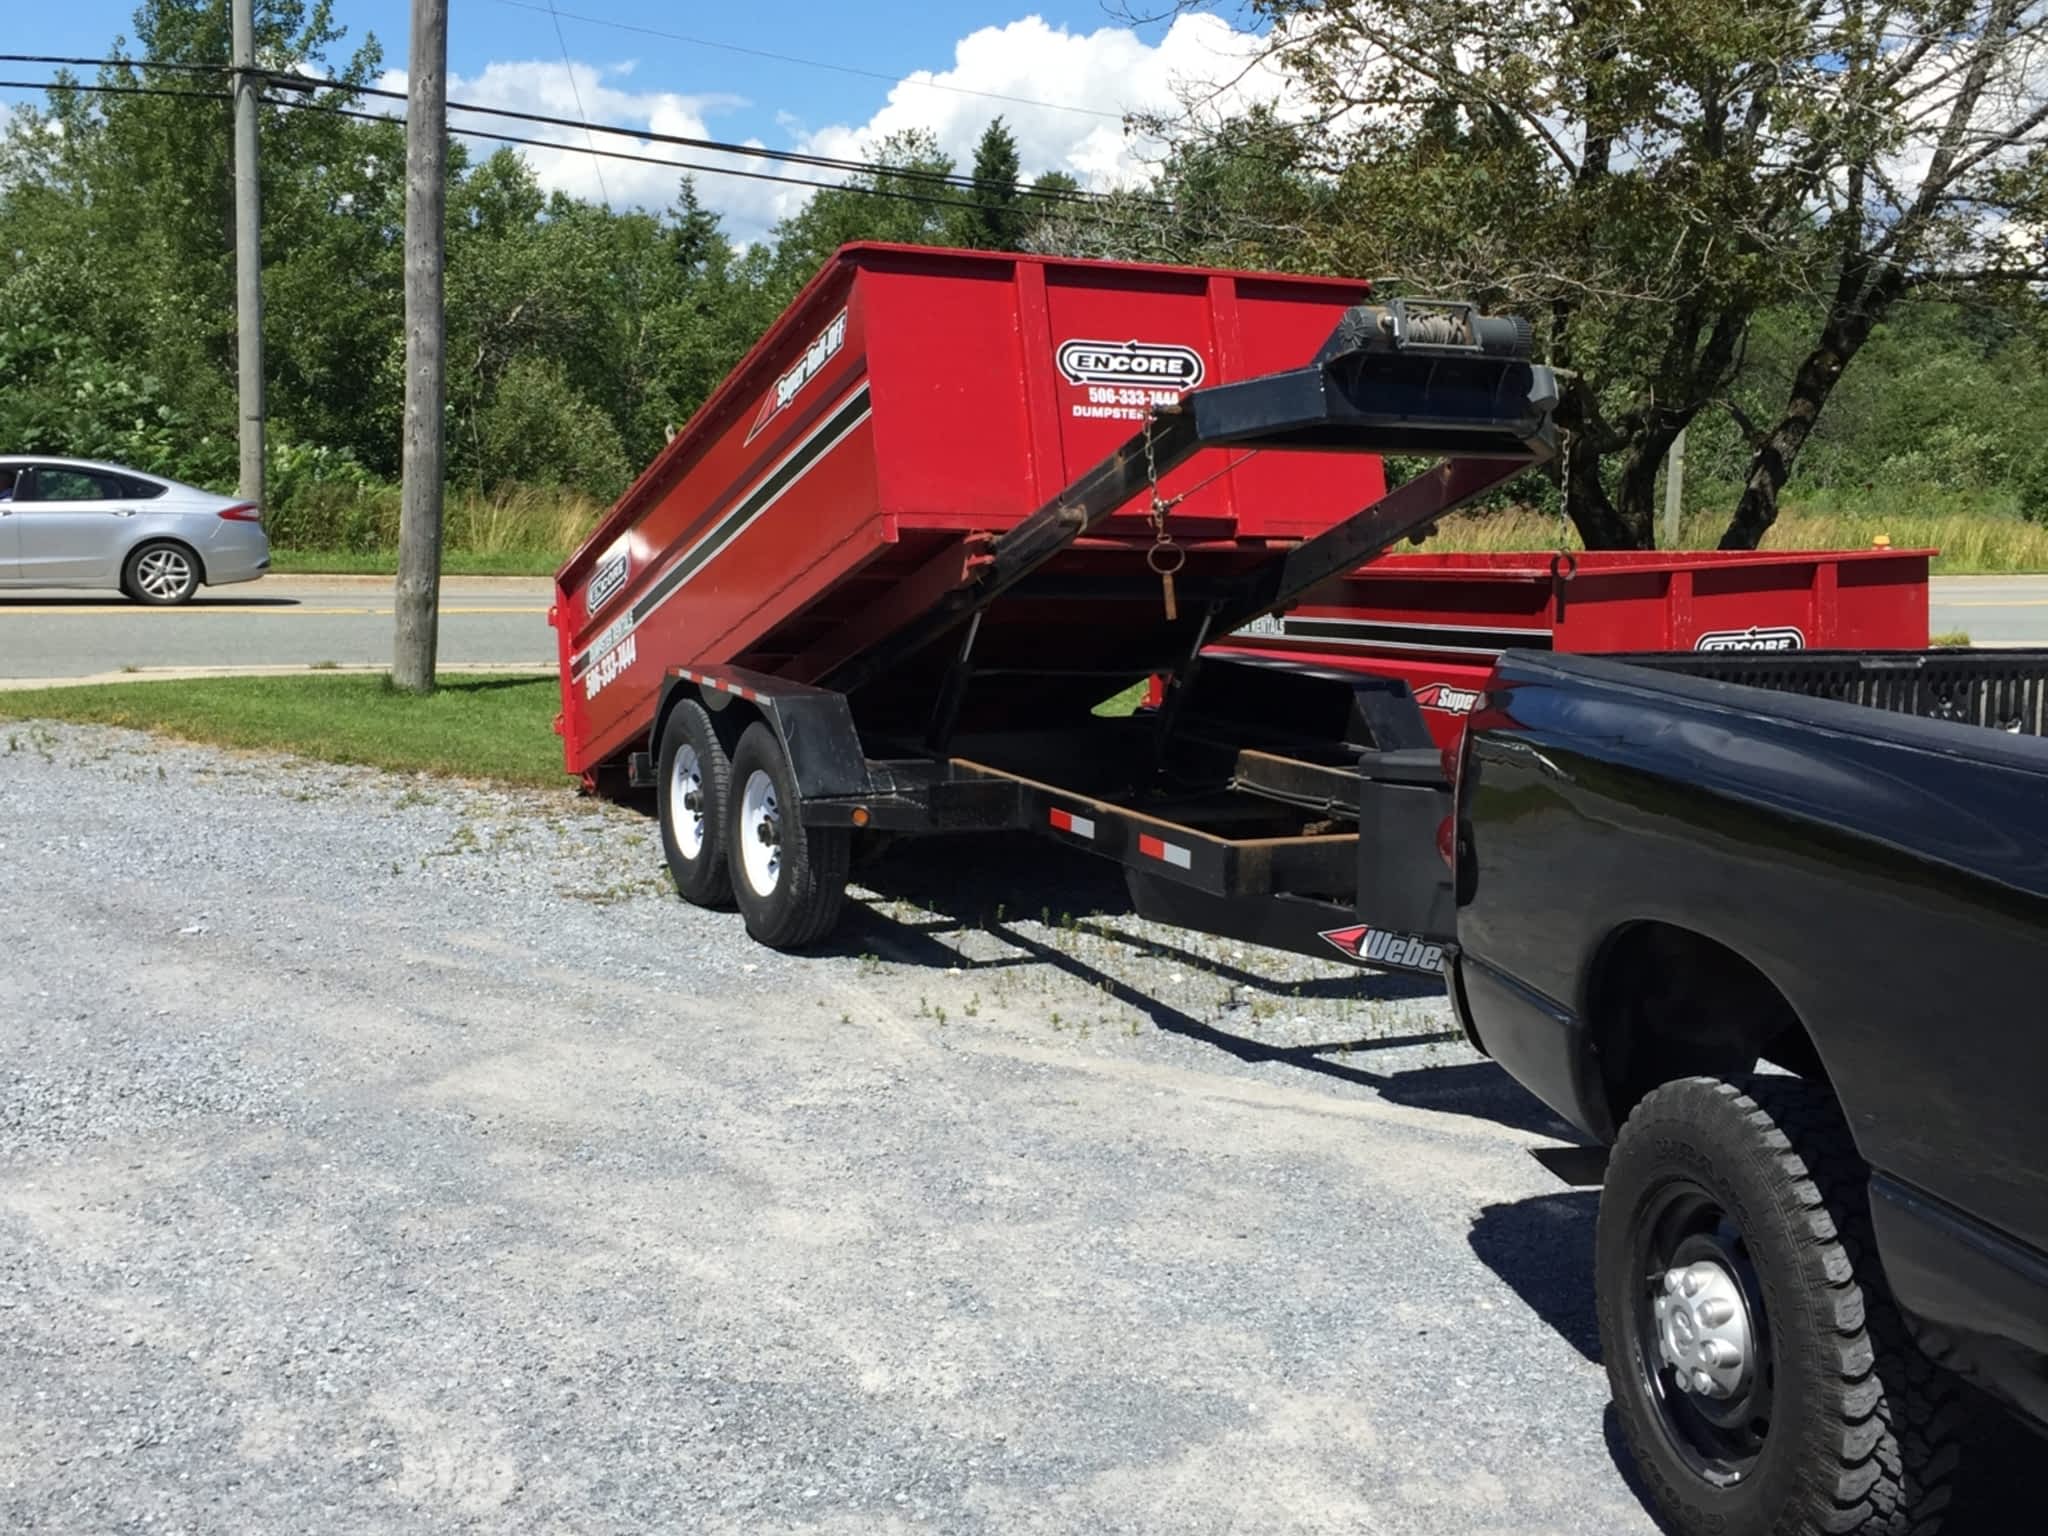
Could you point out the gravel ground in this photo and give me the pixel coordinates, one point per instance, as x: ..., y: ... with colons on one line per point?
x: 380, y: 1155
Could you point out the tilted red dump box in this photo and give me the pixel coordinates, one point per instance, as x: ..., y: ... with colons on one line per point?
x: 955, y: 499
x: 1438, y: 621
x: 909, y: 403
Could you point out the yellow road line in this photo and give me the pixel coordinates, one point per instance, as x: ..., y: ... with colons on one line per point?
x: 1993, y: 602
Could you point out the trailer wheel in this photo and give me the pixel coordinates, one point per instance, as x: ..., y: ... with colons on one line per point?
x: 789, y: 879
x: 1762, y: 1375
x: 695, y: 784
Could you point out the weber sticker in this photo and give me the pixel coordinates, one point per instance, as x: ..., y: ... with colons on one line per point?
x: 1448, y: 700
x: 1378, y: 946
x: 806, y: 368
x: 607, y: 578
x: 1782, y: 638
x: 1128, y: 380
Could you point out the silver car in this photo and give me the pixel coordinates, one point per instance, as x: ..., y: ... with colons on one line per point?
x: 75, y: 523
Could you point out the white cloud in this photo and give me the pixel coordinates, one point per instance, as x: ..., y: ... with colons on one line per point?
x: 544, y: 87
x: 1110, y: 71
x: 1069, y: 94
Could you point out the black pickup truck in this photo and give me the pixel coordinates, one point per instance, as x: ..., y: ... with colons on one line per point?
x: 1776, y: 927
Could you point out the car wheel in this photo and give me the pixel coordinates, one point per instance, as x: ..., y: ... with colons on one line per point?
x: 696, y: 778
x: 789, y: 879
x: 160, y: 574
x: 1762, y: 1376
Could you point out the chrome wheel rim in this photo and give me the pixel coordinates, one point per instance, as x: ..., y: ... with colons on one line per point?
x: 761, y: 834
x: 686, y: 804
x: 163, y: 573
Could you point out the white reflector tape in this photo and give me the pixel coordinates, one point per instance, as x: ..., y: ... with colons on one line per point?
x: 1067, y: 821
x: 1165, y: 852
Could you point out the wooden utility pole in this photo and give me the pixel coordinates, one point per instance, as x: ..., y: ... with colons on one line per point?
x: 248, y: 255
x: 1674, y: 491
x: 418, y: 598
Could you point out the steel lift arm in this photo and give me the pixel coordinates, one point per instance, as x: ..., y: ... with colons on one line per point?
x: 1411, y: 378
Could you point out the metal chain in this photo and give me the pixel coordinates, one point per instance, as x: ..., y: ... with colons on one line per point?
x: 1565, y: 491
x: 1165, y: 557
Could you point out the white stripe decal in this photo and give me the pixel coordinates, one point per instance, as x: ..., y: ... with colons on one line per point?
x: 628, y: 622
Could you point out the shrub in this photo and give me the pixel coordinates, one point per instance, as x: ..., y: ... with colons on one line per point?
x: 538, y: 430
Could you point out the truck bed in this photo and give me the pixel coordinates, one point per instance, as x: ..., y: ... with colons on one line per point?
x: 2004, y: 691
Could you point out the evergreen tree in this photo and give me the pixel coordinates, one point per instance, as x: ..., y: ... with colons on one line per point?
x: 995, y: 218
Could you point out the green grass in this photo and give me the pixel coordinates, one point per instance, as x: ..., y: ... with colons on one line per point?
x: 473, y: 727
x: 1976, y: 534
x: 530, y: 533
x: 1126, y: 702
x: 384, y: 562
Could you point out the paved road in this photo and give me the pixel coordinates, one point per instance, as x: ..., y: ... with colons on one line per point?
x: 1991, y: 610
x: 503, y: 620
x: 281, y: 619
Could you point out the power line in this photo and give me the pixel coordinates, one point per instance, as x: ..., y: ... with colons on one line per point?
x: 110, y: 90
x: 948, y: 179
x: 173, y: 65
x: 956, y: 179
x: 892, y: 194
x: 789, y: 58
x: 576, y: 95
x: 621, y: 154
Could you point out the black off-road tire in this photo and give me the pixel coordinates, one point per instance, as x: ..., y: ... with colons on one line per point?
x: 810, y: 888
x: 701, y: 878
x: 1864, y: 1431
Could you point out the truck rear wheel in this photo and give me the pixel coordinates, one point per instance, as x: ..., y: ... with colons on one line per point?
x: 789, y: 879
x: 1762, y: 1375
x: 695, y: 784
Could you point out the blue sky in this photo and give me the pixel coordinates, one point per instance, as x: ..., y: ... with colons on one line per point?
x: 940, y: 67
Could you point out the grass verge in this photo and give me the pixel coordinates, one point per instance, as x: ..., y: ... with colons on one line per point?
x: 1976, y: 533
x: 384, y: 562
x: 473, y: 727
x: 1974, y: 539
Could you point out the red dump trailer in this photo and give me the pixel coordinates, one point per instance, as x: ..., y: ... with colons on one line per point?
x: 1439, y: 622
x: 953, y: 500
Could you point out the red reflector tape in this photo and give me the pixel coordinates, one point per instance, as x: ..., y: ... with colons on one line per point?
x: 1067, y: 821
x: 1165, y: 852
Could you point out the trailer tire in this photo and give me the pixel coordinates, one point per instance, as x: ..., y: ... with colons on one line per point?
x: 789, y: 879
x: 693, y: 763
x: 1735, y: 1230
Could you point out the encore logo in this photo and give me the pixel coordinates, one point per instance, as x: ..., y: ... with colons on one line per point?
x: 1131, y: 362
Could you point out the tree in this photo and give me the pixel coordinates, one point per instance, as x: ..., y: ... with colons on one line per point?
x: 1645, y: 180
x: 995, y: 216
x: 1927, y: 170
x: 906, y: 200
x: 120, y: 216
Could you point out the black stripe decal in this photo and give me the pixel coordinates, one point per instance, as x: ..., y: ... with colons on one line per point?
x: 1432, y: 637
x: 822, y: 440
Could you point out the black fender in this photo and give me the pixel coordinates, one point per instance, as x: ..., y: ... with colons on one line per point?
x: 814, y: 725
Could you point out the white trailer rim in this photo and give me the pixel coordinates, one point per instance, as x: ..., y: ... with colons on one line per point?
x: 686, y: 803
x: 761, y: 834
